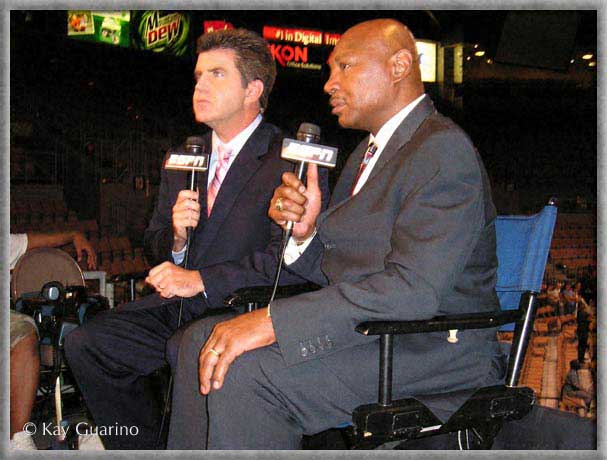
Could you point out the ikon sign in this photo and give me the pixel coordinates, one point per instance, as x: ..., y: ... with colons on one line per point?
x: 299, y: 48
x: 285, y: 53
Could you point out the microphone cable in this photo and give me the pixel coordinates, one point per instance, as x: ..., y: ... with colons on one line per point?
x: 189, y: 230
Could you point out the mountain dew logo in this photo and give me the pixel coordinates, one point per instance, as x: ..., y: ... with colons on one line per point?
x: 164, y: 33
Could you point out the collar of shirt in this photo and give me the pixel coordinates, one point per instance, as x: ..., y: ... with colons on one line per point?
x: 383, y: 136
x: 235, y: 144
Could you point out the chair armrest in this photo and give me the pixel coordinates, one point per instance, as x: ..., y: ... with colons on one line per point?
x: 260, y: 295
x: 440, y: 323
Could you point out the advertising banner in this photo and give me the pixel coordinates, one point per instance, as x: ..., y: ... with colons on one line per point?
x: 161, y: 32
x: 298, y: 48
x: 212, y: 26
x: 111, y: 27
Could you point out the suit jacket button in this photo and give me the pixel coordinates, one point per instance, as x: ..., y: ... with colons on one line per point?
x: 320, y: 344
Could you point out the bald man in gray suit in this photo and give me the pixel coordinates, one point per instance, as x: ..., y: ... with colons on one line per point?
x: 409, y: 234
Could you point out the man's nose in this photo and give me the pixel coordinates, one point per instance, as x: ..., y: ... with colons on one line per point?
x: 331, y: 84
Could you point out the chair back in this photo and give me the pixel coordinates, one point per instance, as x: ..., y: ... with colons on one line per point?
x: 41, y: 265
x: 523, y: 243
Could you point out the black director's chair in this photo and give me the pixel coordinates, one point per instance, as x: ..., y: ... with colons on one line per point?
x: 523, y: 243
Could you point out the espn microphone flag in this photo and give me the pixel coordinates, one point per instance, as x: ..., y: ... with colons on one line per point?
x: 183, y: 162
x: 193, y: 160
x: 308, y: 152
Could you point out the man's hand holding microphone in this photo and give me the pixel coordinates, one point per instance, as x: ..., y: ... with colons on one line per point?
x: 295, y: 202
x: 168, y: 279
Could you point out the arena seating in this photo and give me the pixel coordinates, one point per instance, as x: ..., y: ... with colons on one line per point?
x: 28, y: 213
x: 574, y: 242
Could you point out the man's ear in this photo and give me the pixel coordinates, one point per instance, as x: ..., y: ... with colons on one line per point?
x: 402, y: 64
x: 254, y: 90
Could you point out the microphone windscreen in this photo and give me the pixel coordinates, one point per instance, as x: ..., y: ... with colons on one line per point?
x: 194, y: 144
x: 308, y: 132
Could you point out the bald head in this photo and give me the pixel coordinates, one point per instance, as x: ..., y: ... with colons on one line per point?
x: 388, y: 34
x: 378, y: 60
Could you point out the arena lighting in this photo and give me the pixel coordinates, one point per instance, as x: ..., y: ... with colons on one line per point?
x: 572, y: 61
x: 587, y: 56
x: 592, y: 64
x: 427, y: 59
x: 476, y: 46
x: 479, y: 53
x: 467, y: 58
x: 489, y: 61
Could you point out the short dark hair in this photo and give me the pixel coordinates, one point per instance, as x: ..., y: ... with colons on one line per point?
x: 253, y: 58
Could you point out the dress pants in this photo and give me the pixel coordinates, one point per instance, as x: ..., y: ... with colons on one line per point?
x: 263, y: 404
x: 112, y: 356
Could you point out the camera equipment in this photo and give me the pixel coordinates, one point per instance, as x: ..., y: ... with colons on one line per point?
x: 57, y: 310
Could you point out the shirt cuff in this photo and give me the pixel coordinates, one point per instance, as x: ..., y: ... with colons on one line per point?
x: 179, y: 256
x: 295, y: 249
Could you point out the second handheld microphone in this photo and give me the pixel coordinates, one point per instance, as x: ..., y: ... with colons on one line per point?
x: 306, y: 150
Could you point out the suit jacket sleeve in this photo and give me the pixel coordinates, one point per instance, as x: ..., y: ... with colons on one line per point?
x: 436, y: 221
x: 158, y: 236
x: 257, y: 268
x: 307, y: 265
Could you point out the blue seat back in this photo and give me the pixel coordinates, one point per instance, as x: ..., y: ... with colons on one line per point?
x: 523, y: 243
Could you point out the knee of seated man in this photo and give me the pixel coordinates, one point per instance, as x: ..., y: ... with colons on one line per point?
x: 189, y: 339
x: 75, y: 343
x: 251, y: 371
x: 85, y: 335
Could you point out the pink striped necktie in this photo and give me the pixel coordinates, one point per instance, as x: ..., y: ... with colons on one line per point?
x: 371, y: 149
x: 223, y: 161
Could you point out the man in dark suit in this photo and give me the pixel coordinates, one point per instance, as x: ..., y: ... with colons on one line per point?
x: 409, y: 234
x: 234, y: 243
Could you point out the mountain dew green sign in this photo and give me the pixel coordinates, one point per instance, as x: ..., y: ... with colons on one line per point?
x: 161, y: 32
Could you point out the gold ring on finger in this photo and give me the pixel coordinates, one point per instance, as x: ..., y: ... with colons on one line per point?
x: 215, y: 352
x: 278, y: 204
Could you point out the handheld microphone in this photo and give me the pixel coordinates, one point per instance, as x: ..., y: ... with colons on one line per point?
x: 306, y: 150
x: 193, y: 161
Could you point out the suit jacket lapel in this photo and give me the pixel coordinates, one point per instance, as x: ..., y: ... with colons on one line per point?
x: 401, y: 136
x: 343, y: 188
x: 244, y: 167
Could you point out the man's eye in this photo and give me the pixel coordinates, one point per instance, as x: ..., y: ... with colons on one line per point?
x: 345, y: 66
x: 217, y: 73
